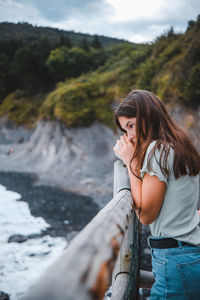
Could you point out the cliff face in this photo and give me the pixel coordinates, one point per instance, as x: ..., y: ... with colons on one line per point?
x: 76, y: 159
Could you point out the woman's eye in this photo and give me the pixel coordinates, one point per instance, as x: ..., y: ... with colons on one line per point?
x: 131, y: 125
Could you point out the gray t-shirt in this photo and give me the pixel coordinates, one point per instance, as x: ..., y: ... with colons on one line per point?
x: 178, y: 217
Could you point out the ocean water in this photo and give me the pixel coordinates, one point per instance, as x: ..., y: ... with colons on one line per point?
x: 22, y: 264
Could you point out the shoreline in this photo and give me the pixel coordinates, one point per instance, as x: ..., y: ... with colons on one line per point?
x: 25, y: 252
x: 66, y: 212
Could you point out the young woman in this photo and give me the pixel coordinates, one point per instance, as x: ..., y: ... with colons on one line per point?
x: 163, y: 168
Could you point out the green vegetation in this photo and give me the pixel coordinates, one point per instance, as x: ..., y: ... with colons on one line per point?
x: 78, y: 83
x: 22, y: 108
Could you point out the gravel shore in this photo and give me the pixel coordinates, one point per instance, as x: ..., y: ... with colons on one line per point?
x: 65, y: 212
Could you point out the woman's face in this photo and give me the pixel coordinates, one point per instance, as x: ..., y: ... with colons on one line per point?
x: 129, y: 126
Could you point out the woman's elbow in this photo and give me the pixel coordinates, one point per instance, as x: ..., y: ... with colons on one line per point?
x: 146, y: 220
x: 149, y: 214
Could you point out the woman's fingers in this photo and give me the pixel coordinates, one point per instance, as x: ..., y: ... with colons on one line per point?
x: 122, y: 142
x: 117, y: 146
x: 125, y: 149
x: 123, y: 139
x: 119, y: 143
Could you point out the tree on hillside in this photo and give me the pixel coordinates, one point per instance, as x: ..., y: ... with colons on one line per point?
x: 28, y: 67
x: 170, y: 32
x: 5, y: 83
x: 96, y: 42
x: 65, y: 41
x: 191, y: 24
x: 57, y: 63
x: 66, y: 63
x: 85, y: 45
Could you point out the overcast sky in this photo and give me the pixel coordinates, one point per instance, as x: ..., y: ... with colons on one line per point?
x: 133, y: 20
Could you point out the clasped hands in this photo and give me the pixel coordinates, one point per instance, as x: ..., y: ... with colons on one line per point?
x: 125, y: 149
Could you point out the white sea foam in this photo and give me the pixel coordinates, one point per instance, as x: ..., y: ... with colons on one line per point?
x: 21, y: 264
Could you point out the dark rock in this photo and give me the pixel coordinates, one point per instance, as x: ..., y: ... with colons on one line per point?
x: 46, y: 253
x: 17, y: 238
x: 32, y: 254
x: 34, y: 236
x: 4, y: 296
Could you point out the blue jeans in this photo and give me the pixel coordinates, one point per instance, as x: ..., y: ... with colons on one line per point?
x: 177, y: 273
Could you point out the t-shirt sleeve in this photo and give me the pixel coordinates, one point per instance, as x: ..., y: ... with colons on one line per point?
x: 151, y: 164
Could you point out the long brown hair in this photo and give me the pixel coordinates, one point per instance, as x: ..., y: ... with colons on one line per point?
x: 153, y: 123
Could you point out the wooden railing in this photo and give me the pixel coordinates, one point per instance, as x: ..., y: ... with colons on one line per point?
x: 98, y: 256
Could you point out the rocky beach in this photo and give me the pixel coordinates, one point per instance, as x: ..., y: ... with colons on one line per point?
x: 65, y: 212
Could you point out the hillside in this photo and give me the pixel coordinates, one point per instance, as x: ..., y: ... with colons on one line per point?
x: 34, y: 58
x: 97, y: 78
x: 28, y: 33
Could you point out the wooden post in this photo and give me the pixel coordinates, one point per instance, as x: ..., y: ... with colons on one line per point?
x: 122, y: 265
x: 121, y: 178
x: 121, y: 274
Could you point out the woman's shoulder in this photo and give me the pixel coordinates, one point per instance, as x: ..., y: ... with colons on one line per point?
x: 156, y: 149
x: 157, y: 158
x: 151, y: 146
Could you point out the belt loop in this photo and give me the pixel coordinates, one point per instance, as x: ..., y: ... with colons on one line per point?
x: 180, y: 245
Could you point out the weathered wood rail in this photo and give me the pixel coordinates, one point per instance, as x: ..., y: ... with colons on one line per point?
x: 86, y: 268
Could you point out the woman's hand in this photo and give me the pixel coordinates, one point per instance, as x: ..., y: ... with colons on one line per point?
x: 125, y: 149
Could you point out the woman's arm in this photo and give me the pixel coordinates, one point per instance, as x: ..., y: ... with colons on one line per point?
x: 147, y: 194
